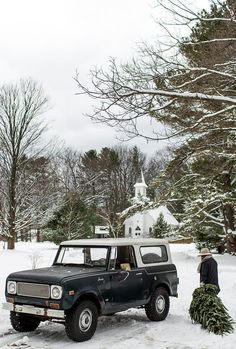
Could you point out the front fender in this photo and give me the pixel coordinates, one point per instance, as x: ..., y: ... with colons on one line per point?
x: 71, y: 301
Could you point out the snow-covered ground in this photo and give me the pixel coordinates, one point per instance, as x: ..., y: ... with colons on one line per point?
x: 130, y: 329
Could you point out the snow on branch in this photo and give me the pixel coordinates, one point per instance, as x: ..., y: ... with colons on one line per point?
x: 186, y: 43
x: 185, y: 95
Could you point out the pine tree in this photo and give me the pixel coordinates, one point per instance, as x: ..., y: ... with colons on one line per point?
x: 211, y: 186
x: 204, y: 167
x: 161, y: 228
x: 71, y: 219
x: 208, y: 310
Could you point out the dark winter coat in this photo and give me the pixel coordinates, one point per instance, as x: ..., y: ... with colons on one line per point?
x: 209, y: 272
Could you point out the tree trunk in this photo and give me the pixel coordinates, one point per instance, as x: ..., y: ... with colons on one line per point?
x: 230, y: 238
x: 229, y: 215
x: 231, y: 243
x: 38, y: 237
x: 11, y: 243
x: 12, y: 209
x: 12, y: 227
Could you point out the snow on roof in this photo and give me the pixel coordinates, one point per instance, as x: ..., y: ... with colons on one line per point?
x: 113, y: 242
x: 169, y: 218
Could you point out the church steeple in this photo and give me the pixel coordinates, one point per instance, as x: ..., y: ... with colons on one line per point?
x: 140, y: 189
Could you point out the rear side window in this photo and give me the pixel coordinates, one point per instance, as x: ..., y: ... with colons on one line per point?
x: 153, y: 254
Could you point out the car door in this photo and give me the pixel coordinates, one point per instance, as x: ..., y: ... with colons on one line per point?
x: 127, y: 285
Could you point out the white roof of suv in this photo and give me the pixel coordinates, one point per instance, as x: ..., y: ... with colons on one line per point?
x: 114, y: 242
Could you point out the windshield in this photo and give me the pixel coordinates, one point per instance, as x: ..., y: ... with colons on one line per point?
x: 83, y: 255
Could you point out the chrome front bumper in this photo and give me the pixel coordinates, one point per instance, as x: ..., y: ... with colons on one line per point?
x: 28, y: 309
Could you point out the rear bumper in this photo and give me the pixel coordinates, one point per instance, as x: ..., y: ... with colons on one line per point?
x: 28, y: 309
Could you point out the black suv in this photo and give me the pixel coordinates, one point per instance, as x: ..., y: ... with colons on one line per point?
x: 90, y: 278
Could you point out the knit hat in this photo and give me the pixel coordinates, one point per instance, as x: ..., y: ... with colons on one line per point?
x: 205, y: 252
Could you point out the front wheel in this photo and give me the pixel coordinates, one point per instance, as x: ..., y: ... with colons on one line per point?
x: 22, y: 323
x: 81, y: 323
x: 158, y: 307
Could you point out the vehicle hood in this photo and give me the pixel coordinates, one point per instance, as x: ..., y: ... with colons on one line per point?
x: 54, y: 274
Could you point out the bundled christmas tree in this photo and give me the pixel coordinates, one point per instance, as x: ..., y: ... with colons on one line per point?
x: 208, y: 310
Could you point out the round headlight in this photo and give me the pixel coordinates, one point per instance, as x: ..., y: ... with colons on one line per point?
x: 56, y: 292
x: 11, y: 287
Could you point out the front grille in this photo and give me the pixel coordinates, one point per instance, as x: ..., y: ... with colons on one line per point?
x: 33, y: 290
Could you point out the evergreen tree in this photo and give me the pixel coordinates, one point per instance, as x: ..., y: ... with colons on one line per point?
x: 208, y: 310
x: 161, y: 228
x: 213, y: 161
x: 199, y: 186
x: 71, y: 219
x: 107, y: 179
x: 211, y: 237
x: 203, y: 170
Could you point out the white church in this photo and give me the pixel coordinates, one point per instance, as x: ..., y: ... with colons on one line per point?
x: 141, y: 223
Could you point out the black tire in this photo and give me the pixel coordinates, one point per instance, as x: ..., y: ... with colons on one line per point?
x: 158, y: 307
x: 81, y: 323
x: 21, y: 323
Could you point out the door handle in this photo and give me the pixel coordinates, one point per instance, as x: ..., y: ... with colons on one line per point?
x: 139, y: 273
x: 100, y: 279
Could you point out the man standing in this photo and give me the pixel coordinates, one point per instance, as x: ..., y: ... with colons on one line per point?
x: 208, y: 269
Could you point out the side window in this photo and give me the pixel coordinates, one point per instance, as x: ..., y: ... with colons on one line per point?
x: 122, y: 258
x: 125, y: 257
x: 153, y: 254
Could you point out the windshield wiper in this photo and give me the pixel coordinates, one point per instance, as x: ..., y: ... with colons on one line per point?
x: 69, y: 264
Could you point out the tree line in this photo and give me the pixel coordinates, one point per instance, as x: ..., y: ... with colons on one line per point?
x: 187, y: 85
x: 58, y: 192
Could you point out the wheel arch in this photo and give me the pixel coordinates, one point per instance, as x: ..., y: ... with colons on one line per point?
x: 163, y: 285
x: 88, y: 296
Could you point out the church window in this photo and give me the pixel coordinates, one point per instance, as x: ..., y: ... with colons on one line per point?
x: 130, y: 231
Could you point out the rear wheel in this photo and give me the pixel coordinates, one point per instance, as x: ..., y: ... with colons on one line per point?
x: 158, y: 307
x: 81, y: 323
x: 22, y: 323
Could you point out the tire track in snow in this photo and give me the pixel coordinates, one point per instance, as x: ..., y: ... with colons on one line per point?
x: 40, y: 338
x: 110, y: 330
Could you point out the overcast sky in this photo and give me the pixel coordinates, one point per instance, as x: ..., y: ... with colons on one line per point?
x: 49, y: 39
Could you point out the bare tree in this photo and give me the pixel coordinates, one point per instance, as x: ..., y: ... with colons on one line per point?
x: 191, y: 100
x: 21, y: 128
x: 66, y: 166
